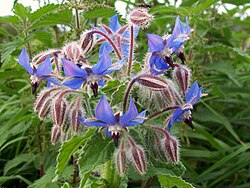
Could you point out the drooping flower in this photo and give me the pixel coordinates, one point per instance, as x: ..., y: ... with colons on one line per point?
x: 119, y: 34
x: 42, y: 72
x: 162, y: 48
x: 92, y: 76
x: 184, y: 113
x: 114, y: 123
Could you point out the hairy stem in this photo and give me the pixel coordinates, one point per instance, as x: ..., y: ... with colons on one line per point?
x: 127, y: 94
x: 131, y: 50
x: 76, y: 174
x: 160, y: 112
x: 118, y: 53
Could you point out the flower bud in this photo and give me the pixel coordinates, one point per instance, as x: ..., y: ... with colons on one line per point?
x: 137, y: 156
x: 152, y: 82
x: 75, y: 111
x: 59, y: 109
x: 42, y: 104
x: 140, y: 17
x: 55, y: 134
x: 171, y: 146
x: 87, y: 41
x: 72, y: 51
x: 181, y: 75
x: 121, y: 160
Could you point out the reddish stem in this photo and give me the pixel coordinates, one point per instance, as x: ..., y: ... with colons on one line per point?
x: 131, y: 49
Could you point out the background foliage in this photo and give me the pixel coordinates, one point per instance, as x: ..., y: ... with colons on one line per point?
x: 215, y: 155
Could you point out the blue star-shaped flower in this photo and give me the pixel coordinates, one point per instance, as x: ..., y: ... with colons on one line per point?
x: 163, y: 48
x: 92, y: 76
x: 184, y: 114
x: 114, y: 124
x: 42, y: 72
x: 119, y: 34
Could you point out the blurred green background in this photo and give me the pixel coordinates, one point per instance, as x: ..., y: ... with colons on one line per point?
x: 216, y: 154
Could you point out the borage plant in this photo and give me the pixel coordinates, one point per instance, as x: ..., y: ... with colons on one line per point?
x: 130, y: 139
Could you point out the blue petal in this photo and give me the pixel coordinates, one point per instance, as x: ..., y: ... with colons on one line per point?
x: 114, y: 67
x: 175, y: 117
x: 91, y: 123
x: 74, y: 83
x: 107, y: 132
x: 125, y: 49
x: 71, y: 69
x: 105, y: 46
x: 24, y: 61
x: 44, y: 68
x: 130, y: 114
x: 101, y: 82
x: 103, y: 64
x: 137, y: 120
x: 155, y: 43
x: 53, y: 80
x: 160, y: 63
x: 103, y: 112
x: 152, y: 60
x: 192, y: 92
x: 114, y: 23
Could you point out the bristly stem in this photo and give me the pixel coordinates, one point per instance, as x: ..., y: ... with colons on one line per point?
x: 131, y: 50
x: 110, y: 41
x: 125, y: 99
x: 75, y: 175
x: 160, y: 112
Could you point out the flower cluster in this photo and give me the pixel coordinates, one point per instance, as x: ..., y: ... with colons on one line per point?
x: 70, y: 74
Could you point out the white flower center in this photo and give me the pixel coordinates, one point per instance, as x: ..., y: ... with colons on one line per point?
x: 34, y: 79
x: 115, y: 129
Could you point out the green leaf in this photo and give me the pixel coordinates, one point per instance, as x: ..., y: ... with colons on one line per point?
x: 9, y: 19
x: 21, y: 11
x: 41, y: 12
x: 96, y: 151
x: 68, y: 148
x: 9, y: 47
x: 173, y: 181
x: 43, y: 36
x: 204, y: 5
x: 238, y: 2
x: 99, y: 12
x: 224, y: 121
x: 63, y: 16
x: 4, y: 179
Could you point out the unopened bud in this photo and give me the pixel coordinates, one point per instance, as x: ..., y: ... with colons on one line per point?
x: 171, y: 146
x: 72, y: 51
x: 152, y: 82
x: 75, y: 111
x: 55, y: 134
x: 121, y: 160
x: 181, y: 75
x: 59, y: 108
x: 42, y: 104
x: 136, y: 155
x: 87, y: 41
x: 140, y: 17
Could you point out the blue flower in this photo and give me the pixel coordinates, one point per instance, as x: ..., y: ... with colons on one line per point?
x: 119, y: 34
x: 92, y: 76
x: 42, y: 72
x: 184, y: 113
x: 163, y: 48
x: 114, y: 124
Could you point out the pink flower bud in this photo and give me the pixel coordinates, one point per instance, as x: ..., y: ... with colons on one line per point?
x: 121, y: 160
x: 87, y: 41
x: 171, y: 147
x: 55, y: 134
x: 75, y: 111
x: 72, y: 51
x: 43, y: 101
x: 136, y: 155
x: 140, y: 17
x: 181, y: 75
x: 60, y: 108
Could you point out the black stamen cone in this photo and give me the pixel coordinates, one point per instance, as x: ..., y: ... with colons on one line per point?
x: 189, y: 122
x: 34, y: 87
x: 169, y: 61
x: 181, y: 55
x: 116, y: 139
x: 94, y: 87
